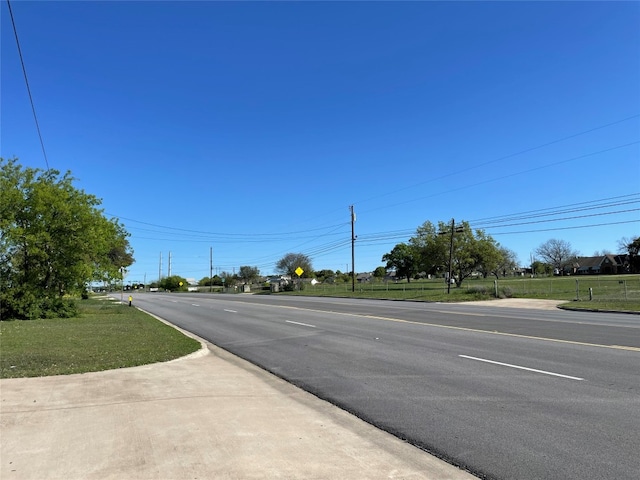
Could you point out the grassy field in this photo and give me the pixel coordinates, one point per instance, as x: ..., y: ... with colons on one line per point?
x: 107, y: 335
x: 610, y: 292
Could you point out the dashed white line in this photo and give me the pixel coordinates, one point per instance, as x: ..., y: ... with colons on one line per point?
x: 230, y: 311
x: 300, y: 323
x: 195, y: 304
x: 520, y: 368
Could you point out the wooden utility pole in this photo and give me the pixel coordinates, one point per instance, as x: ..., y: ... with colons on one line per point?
x: 353, y: 250
x: 453, y: 228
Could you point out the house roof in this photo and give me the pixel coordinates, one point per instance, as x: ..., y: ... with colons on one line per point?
x: 597, y: 262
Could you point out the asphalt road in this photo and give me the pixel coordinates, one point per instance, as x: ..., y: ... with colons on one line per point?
x: 504, y: 393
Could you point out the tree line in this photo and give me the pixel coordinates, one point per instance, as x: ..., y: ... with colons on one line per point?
x: 462, y: 252
x: 433, y: 250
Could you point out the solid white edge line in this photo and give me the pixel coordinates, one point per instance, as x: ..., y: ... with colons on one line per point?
x: 300, y: 323
x: 520, y: 368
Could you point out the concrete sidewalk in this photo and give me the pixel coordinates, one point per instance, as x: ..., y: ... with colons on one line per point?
x: 210, y: 415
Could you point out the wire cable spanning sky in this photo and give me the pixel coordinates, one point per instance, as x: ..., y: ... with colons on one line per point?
x: 249, y: 128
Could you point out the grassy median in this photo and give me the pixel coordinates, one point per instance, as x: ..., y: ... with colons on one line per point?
x: 602, y: 292
x: 106, y: 335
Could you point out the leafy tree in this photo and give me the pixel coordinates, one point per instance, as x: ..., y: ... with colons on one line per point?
x: 53, y: 242
x: 489, y: 256
x: 291, y: 261
x: 403, y: 259
x: 380, y: 272
x: 174, y: 283
x: 248, y: 274
x: 322, y: 275
x: 431, y: 247
x: 541, y: 268
x: 557, y: 253
x: 228, y: 279
x: 469, y: 251
x: 508, y: 261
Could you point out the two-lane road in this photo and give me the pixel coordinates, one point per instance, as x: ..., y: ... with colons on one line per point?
x: 505, y: 393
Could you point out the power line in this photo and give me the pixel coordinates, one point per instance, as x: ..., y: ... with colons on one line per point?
x: 505, y: 157
x: 513, y: 215
x: 222, y: 234
x: 26, y: 81
x: 495, y: 179
x: 569, y: 228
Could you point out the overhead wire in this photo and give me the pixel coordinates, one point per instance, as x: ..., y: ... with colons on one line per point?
x: 26, y: 81
x: 503, y: 177
x: 505, y: 157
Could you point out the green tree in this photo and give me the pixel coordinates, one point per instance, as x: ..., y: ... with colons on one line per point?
x: 291, y: 261
x: 432, y: 247
x: 403, y: 259
x: 380, y: 272
x: 228, y: 279
x: 174, y: 283
x: 248, y: 274
x: 469, y: 252
x: 53, y: 241
x: 541, y: 268
x: 508, y: 262
x: 323, y: 275
x: 490, y: 258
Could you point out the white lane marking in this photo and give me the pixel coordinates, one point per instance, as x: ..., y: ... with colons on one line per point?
x: 300, y: 323
x: 230, y: 311
x: 520, y: 368
x: 195, y: 304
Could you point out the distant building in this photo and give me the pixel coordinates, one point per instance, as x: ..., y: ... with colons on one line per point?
x: 601, y: 265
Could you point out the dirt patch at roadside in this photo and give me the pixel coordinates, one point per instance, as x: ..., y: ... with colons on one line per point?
x: 539, y: 304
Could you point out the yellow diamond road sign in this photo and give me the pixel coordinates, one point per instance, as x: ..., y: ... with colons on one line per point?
x: 299, y: 271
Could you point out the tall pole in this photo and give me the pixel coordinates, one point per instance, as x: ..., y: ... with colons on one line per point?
x: 160, y: 268
x: 169, y: 264
x: 353, y: 250
x: 453, y: 227
x: 210, y: 269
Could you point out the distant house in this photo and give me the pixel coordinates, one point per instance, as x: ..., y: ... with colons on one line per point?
x: 364, y: 277
x: 391, y: 277
x: 601, y: 265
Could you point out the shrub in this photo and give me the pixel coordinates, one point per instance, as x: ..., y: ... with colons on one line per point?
x: 506, y: 292
x: 478, y: 290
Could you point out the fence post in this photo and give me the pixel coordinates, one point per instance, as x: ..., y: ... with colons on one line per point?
x: 495, y: 287
x: 590, y: 293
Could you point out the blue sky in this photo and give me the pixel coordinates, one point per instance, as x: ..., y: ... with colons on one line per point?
x: 250, y: 128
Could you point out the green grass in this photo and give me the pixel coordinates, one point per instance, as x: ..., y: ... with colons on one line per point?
x: 105, y: 336
x: 604, y: 306
x: 605, y: 292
